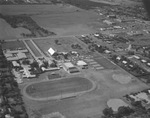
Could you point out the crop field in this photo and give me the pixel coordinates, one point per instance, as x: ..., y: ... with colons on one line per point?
x: 34, y: 9
x: 65, y: 44
x: 13, y: 45
x: 33, y: 48
x: 58, y: 87
x: 7, y: 32
x: 60, y: 19
x: 68, y: 23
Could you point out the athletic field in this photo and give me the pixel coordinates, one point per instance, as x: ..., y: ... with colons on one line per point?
x: 58, y: 87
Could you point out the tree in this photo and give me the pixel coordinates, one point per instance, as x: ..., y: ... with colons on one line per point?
x: 130, y: 52
x: 108, y: 112
x: 26, y: 62
x: 35, y: 64
x: 46, y: 64
x: 137, y: 104
x: 124, y: 111
x: 53, y: 65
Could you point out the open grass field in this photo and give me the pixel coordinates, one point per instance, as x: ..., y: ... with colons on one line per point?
x: 13, y: 45
x: 90, y: 104
x: 58, y: 87
x: 66, y: 42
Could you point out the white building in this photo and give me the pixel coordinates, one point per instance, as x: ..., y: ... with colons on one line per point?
x: 51, y: 51
x: 82, y: 64
x: 118, y: 58
x: 15, y: 64
x: 148, y: 64
x: 137, y: 57
x: 15, y: 51
x: 107, y: 51
x: 70, y: 68
x: 15, y: 55
x: 21, y: 55
x: 96, y: 35
x: 143, y: 60
x: 124, y: 62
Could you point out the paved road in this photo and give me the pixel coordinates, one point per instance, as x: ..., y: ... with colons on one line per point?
x: 38, y: 38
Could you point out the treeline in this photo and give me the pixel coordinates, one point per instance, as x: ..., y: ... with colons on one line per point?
x: 26, y: 22
x: 23, y: 2
x: 11, y: 102
x: 4, y: 2
x: 85, y: 4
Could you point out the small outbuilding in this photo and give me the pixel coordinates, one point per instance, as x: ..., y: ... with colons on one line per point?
x: 51, y: 51
x: 108, y: 22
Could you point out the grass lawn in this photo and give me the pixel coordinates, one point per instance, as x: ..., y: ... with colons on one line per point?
x: 105, y: 63
x: 90, y: 104
x: 66, y: 42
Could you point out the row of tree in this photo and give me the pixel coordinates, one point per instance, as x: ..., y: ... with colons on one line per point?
x: 136, y: 111
x: 11, y: 104
x: 122, y: 112
x: 26, y: 22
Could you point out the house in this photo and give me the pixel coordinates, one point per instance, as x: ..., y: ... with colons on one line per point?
x: 137, y: 57
x: 111, y: 16
x: 111, y: 35
x: 148, y: 64
x: 119, y: 20
x: 107, y: 51
x: 118, y: 58
x: 117, y: 27
x: 144, y: 61
x: 108, y: 22
x: 15, y: 64
x: 82, y: 64
x: 7, y: 55
x: 124, y: 62
x: 40, y: 62
x: 70, y: 68
x: 83, y: 35
x: 8, y: 116
x: 96, y: 35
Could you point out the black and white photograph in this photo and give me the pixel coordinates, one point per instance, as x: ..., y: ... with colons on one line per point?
x: 74, y: 58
